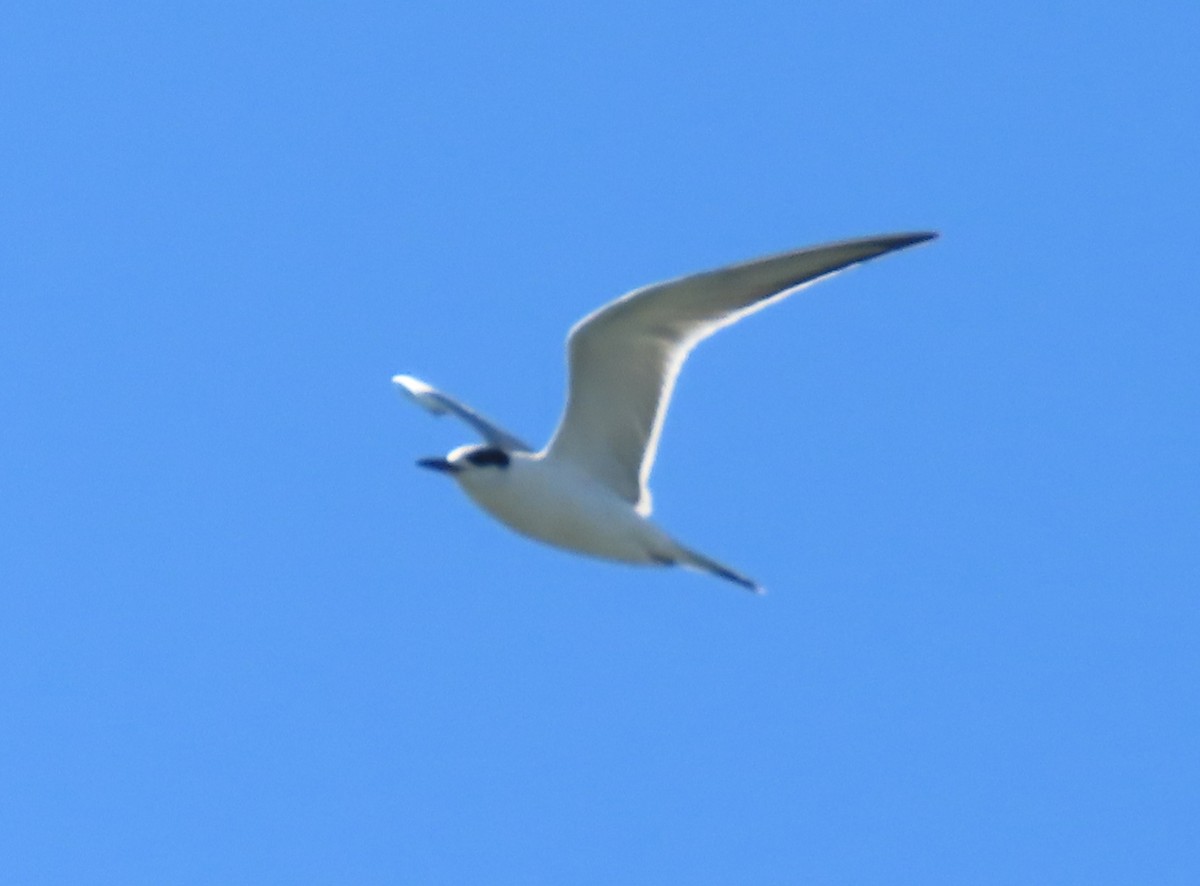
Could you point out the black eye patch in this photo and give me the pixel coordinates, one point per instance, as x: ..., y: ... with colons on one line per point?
x: 483, y: 457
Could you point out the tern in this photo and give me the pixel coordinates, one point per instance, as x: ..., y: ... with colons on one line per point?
x: 587, y: 489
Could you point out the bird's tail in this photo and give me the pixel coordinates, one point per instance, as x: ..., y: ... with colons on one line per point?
x: 694, y: 560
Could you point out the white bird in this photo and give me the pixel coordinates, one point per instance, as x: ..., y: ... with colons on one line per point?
x: 586, y: 491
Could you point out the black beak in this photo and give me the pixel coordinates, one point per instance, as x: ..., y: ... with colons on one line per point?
x: 439, y: 464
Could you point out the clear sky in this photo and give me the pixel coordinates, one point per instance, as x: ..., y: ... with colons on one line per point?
x: 243, y: 639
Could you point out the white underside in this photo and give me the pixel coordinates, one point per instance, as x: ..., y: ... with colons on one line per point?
x: 554, y: 503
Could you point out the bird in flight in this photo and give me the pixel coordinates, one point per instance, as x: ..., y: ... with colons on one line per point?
x: 586, y: 490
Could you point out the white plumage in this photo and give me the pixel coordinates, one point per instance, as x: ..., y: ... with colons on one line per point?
x: 587, y: 491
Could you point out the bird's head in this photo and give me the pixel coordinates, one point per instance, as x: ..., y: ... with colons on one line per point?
x: 474, y: 460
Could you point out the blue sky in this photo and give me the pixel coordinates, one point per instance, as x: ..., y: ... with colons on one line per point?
x: 244, y: 640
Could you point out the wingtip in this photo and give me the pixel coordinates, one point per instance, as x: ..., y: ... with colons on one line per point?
x: 916, y: 237
x: 752, y: 586
x: 411, y: 386
x: 748, y: 583
x: 419, y: 392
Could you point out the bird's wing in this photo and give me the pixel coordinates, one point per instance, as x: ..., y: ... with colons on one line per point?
x: 439, y: 404
x: 623, y: 359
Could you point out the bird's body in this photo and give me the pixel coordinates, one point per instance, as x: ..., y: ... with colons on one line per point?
x: 554, y: 502
x: 587, y: 490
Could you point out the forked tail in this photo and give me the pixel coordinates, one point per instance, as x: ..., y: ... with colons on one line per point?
x: 694, y: 560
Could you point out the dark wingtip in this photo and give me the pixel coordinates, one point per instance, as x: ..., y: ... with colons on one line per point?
x: 748, y: 584
x: 904, y: 240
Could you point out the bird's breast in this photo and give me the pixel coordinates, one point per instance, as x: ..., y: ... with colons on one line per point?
x: 558, y: 506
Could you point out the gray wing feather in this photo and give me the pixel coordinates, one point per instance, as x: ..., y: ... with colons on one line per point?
x: 435, y: 401
x: 624, y: 358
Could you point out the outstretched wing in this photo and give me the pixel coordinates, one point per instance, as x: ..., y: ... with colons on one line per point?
x: 624, y: 358
x: 438, y: 403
